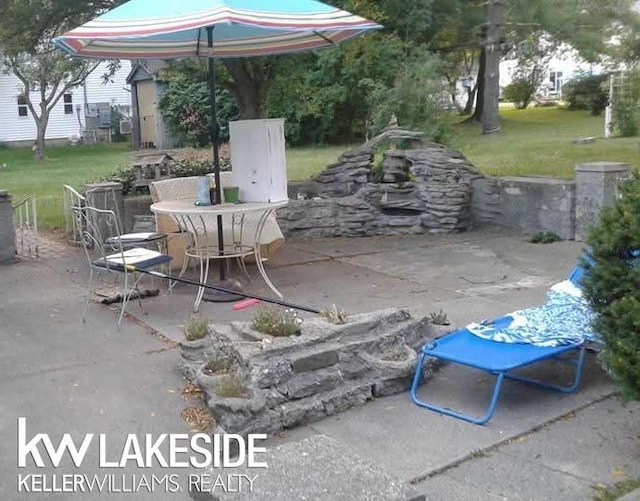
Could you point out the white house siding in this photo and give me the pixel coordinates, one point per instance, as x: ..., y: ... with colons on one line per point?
x: 565, y: 60
x: 14, y: 128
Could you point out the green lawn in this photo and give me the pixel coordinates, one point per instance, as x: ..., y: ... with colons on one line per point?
x: 77, y: 165
x: 536, y: 141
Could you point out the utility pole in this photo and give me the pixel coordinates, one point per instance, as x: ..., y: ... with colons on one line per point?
x: 490, y: 117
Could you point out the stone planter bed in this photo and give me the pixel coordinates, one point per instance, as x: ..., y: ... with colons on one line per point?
x: 297, y: 379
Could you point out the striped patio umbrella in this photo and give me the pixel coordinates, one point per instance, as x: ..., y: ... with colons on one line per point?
x: 145, y: 29
x: 176, y: 29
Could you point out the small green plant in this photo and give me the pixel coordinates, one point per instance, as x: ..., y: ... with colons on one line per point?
x: 276, y: 321
x: 544, y: 237
x: 218, y: 363
x: 334, y: 315
x: 619, y: 489
x: 232, y: 385
x: 196, y: 327
x: 439, y: 318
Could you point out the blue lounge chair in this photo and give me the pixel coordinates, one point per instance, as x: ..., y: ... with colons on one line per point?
x: 501, y: 358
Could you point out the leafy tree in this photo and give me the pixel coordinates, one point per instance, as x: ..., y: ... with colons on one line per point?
x: 50, y: 75
x: 26, y: 29
x: 586, y: 92
x: 324, y: 95
x: 532, y: 57
x: 612, y: 286
x: 418, y: 99
x: 186, y: 106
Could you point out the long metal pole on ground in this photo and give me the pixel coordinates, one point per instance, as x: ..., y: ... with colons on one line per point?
x: 279, y: 302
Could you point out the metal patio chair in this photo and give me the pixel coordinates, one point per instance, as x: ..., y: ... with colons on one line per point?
x: 107, y: 252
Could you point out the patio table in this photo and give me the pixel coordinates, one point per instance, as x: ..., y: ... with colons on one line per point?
x: 198, y: 220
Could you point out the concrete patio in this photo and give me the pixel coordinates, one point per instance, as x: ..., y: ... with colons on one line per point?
x: 68, y: 377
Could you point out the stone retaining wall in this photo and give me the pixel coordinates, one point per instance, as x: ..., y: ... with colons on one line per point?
x: 530, y: 204
x: 298, y: 379
x: 429, y: 188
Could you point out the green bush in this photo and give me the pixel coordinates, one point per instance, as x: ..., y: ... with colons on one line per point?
x: 520, y: 92
x: 187, y: 163
x: 612, y: 286
x: 418, y: 99
x: 544, y: 237
x: 186, y: 106
x: 586, y: 92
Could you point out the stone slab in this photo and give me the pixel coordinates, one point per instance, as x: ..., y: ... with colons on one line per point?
x: 322, y: 468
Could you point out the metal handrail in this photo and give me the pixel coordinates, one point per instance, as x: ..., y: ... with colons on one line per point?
x: 25, y: 216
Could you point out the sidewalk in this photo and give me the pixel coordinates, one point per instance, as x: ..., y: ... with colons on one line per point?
x: 65, y: 377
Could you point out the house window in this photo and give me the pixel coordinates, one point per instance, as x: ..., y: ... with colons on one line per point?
x: 23, y: 110
x: 555, y: 81
x: 68, y: 104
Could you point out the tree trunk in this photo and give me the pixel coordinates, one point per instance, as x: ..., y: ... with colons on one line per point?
x: 477, y: 113
x: 471, y: 94
x: 251, y: 80
x: 41, y: 127
x: 490, y: 115
x: 250, y: 103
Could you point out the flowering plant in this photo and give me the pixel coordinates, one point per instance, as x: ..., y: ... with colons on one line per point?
x: 276, y: 321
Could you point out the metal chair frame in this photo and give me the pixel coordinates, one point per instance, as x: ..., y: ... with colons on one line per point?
x: 106, y: 252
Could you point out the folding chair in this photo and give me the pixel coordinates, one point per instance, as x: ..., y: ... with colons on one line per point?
x: 498, y: 359
x: 72, y: 198
x: 106, y: 251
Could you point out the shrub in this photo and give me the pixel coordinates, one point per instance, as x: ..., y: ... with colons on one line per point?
x: 186, y: 106
x: 544, y: 237
x: 196, y: 327
x: 200, y: 162
x: 276, y: 321
x: 520, y: 92
x: 612, y: 286
x: 191, y: 162
x: 218, y: 363
x: 122, y: 175
x: 232, y: 385
x: 586, y: 92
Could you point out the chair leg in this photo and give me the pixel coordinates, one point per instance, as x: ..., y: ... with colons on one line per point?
x: 204, y: 273
x: 89, y: 294
x: 493, y: 403
x: 243, y: 267
x: 125, y: 298
x: 578, y: 362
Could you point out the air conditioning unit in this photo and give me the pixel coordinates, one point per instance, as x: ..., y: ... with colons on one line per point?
x: 125, y: 126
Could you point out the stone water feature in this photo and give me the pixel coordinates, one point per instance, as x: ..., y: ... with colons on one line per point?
x: 415, y: 187
x: 298, y: 379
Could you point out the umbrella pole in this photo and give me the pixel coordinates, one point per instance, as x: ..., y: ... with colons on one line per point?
x: 226, y: 287
x: 215, y: 141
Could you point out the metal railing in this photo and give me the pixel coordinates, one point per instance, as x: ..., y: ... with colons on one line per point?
x: 25, y: 221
